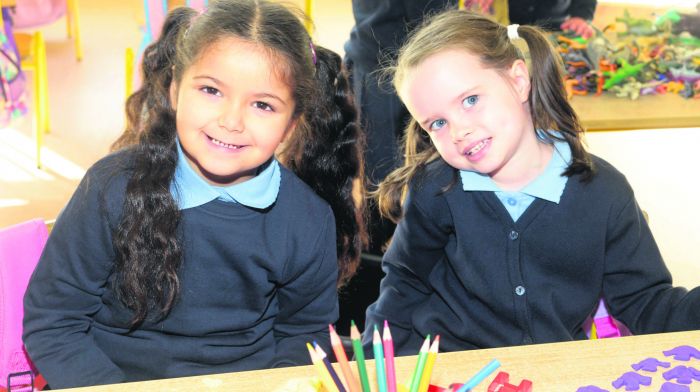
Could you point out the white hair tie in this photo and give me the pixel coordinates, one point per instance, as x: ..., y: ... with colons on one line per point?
x: 513, y: 31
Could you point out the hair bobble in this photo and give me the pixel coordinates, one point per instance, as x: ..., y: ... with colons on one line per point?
x: 513, y: 31
x: 313, y: 52
x: 520, y: 45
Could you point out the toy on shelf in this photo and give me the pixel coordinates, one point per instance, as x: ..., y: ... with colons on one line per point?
x: 634, y: 57
x: 500, y: 384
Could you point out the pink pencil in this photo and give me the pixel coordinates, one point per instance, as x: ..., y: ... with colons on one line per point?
x: 389, y: 358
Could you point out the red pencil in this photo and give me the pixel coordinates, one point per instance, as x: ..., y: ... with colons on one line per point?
x: 389, y: 358
x: 342, y: 358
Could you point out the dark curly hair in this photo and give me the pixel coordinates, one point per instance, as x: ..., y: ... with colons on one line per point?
x: 325, y: 150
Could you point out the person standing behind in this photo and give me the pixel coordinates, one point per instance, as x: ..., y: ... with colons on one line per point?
x: 509, y: 231
x: 196, y: 251
x: 565, y: 15
x: 381, y: 27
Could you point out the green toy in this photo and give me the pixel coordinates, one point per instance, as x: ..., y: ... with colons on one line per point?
x: 623, y: 73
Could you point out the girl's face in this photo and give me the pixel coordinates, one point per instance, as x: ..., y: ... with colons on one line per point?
x: 233, y: 110
x: 477, y: 118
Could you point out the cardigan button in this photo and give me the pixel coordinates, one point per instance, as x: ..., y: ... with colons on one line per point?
x: 513, y: 235
x: 520, y: 290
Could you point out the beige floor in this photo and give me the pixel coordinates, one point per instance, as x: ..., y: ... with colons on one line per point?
x: 86, y: 115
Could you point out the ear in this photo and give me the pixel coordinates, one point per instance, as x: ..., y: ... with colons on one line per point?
x: 290, y: 128
x: 520, y: 78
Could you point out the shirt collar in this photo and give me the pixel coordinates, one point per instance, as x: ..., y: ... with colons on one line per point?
x: 549, y: 185
x: 190, y: 190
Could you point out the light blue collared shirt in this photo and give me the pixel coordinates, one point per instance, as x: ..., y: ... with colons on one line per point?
x: 190, y: 190
x: 549, y: 185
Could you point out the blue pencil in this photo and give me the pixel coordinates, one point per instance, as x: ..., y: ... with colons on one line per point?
x: 480, y: 376
x: 379, y: 361
x: 322, y: 355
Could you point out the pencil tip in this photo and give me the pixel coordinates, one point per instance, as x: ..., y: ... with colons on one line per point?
x: 354, y: 332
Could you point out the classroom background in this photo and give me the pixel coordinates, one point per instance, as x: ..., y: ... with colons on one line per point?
x: 85, y: 101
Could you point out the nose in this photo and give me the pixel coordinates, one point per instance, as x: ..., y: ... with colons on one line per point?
x: 460, y: 133
x: 231, y: 119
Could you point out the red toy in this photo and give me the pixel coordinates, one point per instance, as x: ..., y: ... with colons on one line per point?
x: 500, y: 384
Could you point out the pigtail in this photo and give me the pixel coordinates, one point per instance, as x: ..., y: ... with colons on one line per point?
x: 549, y: 105
x: 418, y: 151
x: 148, y: 254
x: 326, y: 153
x: 156, y: 75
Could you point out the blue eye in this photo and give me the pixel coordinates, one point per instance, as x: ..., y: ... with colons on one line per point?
x: 470, y: 101
x: 437, y: 124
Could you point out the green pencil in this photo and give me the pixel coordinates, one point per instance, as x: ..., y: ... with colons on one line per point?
x: 420, y: 364
x: 359, y: 356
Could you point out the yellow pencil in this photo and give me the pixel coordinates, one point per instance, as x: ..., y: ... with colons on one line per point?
x: 428, y: 369
x: 323, y: 374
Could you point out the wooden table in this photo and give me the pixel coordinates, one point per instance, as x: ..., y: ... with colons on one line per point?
x: 607, y: 112
x: 557, y: 367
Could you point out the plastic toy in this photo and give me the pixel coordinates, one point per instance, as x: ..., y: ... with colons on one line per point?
x: 500, y: 384
x: 683, y: 374
x: 631, y: 381
x: 683, y: 353
x: 591, y: 388
x: 671, y: 387
x: 625, y: 71
x: 650, y: 365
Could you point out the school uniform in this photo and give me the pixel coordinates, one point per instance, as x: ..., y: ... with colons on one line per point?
x: 257, y: 282
x: 550, y: 14
x: 486, y: 269
x: 381, y: 27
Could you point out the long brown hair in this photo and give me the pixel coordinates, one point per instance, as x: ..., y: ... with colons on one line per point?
x: 487, y: 39
x: 325, y: 149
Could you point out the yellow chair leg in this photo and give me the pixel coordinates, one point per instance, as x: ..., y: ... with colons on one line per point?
x: 35, y: 53
x: 69, y: 19
x: 129, y: 74
x: 42, y: 77
x: 308, y: 8
x: 73, y: 19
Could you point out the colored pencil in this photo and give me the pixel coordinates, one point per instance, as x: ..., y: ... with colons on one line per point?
x: 389, y: 358
x: 342, y: 358
x: 428, y: 370
x: 379, y: 360
x: 420, y: 364
x: 359, y: 356
x: 326, y: 379
x: 480, y: 376
x: 331, y: 371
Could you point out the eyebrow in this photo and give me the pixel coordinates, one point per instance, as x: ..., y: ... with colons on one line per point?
x: 258, y: 95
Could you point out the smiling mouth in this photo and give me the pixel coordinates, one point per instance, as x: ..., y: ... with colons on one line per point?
x: 478, y: 147
x: 225, y: 145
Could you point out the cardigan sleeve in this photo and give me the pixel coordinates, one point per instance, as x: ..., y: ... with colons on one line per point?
x: 308, y: 301
x: 584, y: 9
x: 418, y: 244
x: 637, y: 285
x: 65, y: 291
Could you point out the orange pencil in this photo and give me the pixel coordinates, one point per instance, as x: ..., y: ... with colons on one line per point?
x: 323, y: 374
x: 342, y: 358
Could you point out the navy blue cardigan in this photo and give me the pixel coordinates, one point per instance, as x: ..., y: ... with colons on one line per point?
x: 460, y: 267
x: 255, y: 286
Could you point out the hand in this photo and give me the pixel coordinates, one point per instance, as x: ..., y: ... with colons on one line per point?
x: 483, y: 6
x: 578, y: 26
